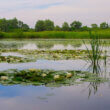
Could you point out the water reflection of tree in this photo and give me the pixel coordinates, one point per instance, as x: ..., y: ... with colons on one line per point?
x: 77, y: 45
x: 45, y: 45
x: 11, y: 45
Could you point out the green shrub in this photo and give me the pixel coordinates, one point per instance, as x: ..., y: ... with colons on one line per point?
x: 1, y: 35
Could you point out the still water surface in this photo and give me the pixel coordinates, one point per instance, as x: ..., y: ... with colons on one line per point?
x: 74, y: 97
x: 81, y: 96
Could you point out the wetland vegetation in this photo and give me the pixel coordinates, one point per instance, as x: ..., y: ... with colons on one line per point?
x: 38, y: 77
x: 55, y: 65
x: 54, y: 55
x: 45, y: 29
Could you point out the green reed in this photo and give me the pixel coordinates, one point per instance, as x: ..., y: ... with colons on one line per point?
x: 104, y: 34
x: 96, y: 52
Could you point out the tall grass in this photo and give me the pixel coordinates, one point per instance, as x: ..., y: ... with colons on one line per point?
x: 96, y: 52
x: 104, y: 34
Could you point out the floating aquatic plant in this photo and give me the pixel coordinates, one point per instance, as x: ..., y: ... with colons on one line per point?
x: 15, y: 59
x: 51, y: 54
x: 45, y: 77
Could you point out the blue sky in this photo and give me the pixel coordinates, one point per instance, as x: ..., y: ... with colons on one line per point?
x: 29, y: 11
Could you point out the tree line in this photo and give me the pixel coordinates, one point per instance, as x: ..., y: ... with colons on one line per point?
x: 12, y: 25
x: 46, y: 25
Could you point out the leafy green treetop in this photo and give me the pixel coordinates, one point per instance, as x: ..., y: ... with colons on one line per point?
x: 65, y: 27
x: 40, y: 25
x: 49, y: 25
x: 57, y: 28
x: 76, y: 25
x: 94, y: 25
x: 104, y: 25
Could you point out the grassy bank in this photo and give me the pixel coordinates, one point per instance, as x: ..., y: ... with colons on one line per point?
x: 104, y: 34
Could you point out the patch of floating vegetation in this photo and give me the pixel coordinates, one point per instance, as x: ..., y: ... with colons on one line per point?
x: 51, y: 54
x: 15, y: 59
x: 46, y: 77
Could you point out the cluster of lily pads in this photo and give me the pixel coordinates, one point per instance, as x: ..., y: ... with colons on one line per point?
x: 44, y: 77
x: 14, y: 59
x: 51, y: 54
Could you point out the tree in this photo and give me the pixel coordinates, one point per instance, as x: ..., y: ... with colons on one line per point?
x: 22, y: 26
x: 25, y: 27
x: 40, y: 25
x: 3, y: 25
x: 57, y: 28
x: 12, y: 25
x: 65, y: 27
x: 1, y: 34
x: 85, y: 28
x: 94, y: 25
x: 104, y: 25
x: 76, y: 25
x: 49, y: 25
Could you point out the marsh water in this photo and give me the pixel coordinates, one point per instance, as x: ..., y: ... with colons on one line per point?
x: 78, y: 96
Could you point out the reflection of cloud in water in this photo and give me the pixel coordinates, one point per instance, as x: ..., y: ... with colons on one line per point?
x: 29, y: 46
x: 55, y: 65
x: 65, y: 98
x: 62, y: 47
x: 12, y: 54
x: 48, y: 64
x: 33, y: 46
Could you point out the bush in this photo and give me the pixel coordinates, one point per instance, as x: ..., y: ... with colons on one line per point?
x: 1, y: 35
x: 18, y: 34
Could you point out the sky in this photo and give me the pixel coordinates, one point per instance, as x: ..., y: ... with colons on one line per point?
x: 29, y: 11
